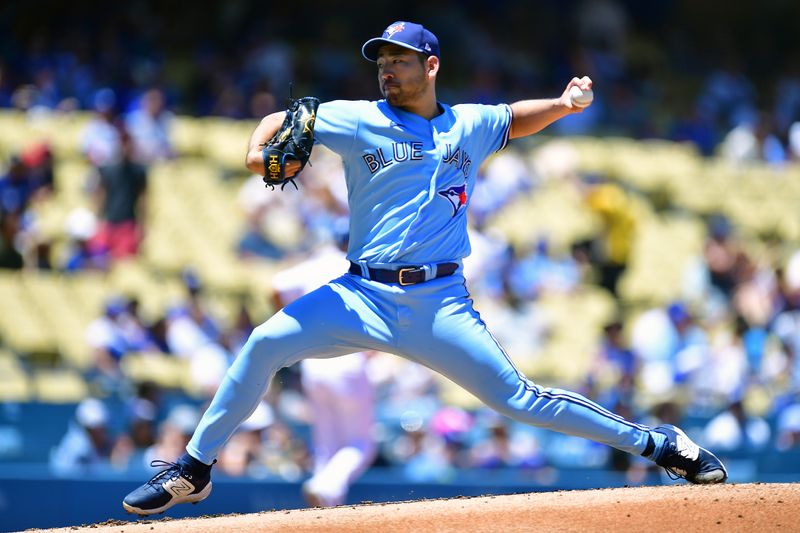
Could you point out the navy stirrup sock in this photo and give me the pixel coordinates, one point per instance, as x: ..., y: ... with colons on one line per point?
x: 193, y: 465
x: 654, y: 446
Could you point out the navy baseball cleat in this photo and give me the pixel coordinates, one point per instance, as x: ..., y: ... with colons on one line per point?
x: 682, y: 457
x: 173, y: 485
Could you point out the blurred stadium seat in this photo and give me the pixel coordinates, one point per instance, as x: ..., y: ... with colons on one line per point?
x: 14, y: 383
x: 164, y: 370
x: 59, y: 386
x: 194, y: 219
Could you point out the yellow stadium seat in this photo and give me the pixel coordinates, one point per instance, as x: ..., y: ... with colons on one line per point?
x: 22, y: 326
x: 187, y: 135
x: 14, y: 383
x: 162, y: 369
x: 59, y: 386
x: 58, y: 308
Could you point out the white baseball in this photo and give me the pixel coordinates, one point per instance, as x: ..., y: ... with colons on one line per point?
x: 579, y: 97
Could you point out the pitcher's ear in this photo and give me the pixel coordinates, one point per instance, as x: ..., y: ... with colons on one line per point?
x: 433, y: 64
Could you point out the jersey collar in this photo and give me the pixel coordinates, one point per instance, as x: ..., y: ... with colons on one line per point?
x: 411, y: 121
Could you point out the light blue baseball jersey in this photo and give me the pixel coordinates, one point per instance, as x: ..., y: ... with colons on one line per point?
x: 409, y: 179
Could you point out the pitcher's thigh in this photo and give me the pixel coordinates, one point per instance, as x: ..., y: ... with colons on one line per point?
x: 327, y: 322
x: 459, y: 346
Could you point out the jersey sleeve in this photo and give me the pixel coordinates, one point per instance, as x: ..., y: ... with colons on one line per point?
x: 489, y: 125
x: 336, y: 125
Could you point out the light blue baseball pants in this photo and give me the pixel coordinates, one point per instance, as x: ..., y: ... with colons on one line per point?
x: 432, y: 323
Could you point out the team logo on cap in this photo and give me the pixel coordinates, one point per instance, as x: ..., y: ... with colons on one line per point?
x: 457, y: 196
x: 394, y: 28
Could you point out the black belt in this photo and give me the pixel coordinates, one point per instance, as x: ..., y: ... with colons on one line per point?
x: 410, y: 275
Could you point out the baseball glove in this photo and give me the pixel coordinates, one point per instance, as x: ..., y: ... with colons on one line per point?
x: 293, y: 141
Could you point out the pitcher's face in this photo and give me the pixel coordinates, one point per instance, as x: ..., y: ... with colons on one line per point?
x: 402, y: 75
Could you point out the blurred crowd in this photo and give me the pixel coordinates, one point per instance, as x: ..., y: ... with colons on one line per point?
x: 723, y: 354
x: 119, y: 148
x: 660, y: 70
x: 727, y: 352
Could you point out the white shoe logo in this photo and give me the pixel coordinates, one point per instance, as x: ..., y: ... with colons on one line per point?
x: 687, y: 448
x: 178, y: 487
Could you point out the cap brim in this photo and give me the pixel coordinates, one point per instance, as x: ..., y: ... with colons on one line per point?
x: 371, y: 47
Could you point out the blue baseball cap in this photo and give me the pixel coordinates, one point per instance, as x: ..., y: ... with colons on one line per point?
x: 405, y: 34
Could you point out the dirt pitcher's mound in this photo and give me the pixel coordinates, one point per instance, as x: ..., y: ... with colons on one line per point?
x: 752, y: 507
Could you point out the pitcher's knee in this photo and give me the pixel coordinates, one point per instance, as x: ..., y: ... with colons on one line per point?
x: 268, y: 341
x: 502, y: 401
x: 279, y: 328
x: 260, y: 339
x: 519, y: 402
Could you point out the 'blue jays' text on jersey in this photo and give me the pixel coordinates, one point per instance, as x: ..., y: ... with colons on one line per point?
x: 409, y: 179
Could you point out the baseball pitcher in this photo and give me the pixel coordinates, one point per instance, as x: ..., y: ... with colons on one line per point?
x: 411, y: 163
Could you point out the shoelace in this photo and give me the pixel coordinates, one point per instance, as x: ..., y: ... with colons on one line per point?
x: 173, y: 470
x: 671, y: 473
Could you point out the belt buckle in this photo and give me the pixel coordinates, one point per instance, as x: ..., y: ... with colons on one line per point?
x: 400, y: 275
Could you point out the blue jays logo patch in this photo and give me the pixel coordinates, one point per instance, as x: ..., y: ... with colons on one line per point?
x: 391, y: 30
x: 457, y: 196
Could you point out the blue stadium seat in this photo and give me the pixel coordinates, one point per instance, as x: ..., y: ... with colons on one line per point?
x: 38, y: 428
